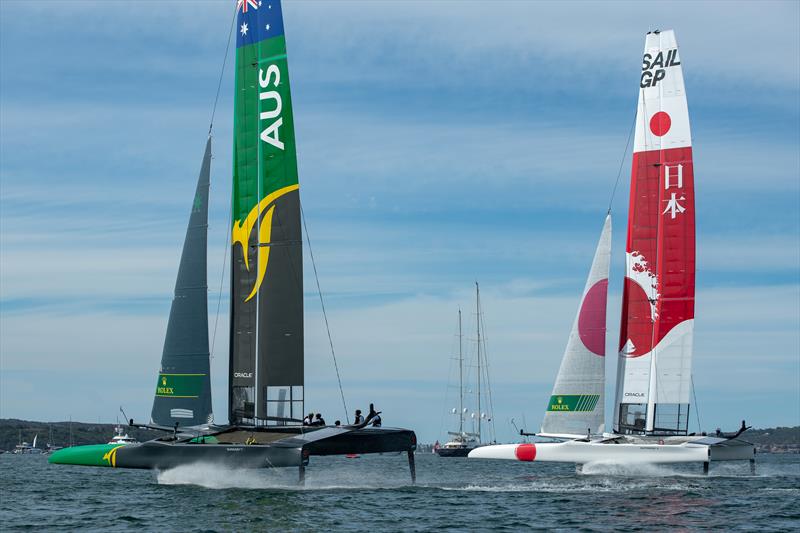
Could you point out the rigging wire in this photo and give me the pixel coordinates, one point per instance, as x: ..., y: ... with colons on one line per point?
x: 488, y: 382
x: 230, y: 211
x: 221, y: 281
x: 618, y: 391
x: 222, y: 70
x: 622, y: 162
x: 446, y: 400
x: 696, y: 405
x: 324, y: 314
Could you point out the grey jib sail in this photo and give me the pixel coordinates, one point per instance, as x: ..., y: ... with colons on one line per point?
x: 183, y: 391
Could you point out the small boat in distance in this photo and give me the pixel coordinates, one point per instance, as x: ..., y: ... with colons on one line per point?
x: 50, y: 447
x: 461, y: 441
x: 120, y: 437
x: 24, y: 448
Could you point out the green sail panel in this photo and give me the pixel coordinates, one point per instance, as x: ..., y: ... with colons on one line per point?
x: 266, y: 334
x: 183, y: 389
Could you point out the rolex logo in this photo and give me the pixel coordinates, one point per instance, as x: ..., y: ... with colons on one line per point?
x: 163, y: 390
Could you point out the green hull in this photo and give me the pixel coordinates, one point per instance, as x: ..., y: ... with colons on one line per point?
x: 91, y: 455
x: 160, y: 455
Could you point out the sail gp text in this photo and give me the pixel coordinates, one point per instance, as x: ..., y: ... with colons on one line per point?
x: 654, y: 68
x: 271, y: 132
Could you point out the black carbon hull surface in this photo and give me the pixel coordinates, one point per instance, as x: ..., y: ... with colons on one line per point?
x: 365, y: 440
x: 243, y: 447
x: 160, y: 455
x: 454, y: 452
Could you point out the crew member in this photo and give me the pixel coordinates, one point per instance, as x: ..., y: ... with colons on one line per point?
x: 372, y: 413
x: 319, y: 421
x: 358, y: 418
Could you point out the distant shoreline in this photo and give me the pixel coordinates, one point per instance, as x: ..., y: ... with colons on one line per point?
x: 12, y: 430
x: 64, y: 434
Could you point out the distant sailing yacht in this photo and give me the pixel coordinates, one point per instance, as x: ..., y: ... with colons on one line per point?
x: 23, y: 448
x: 463, y: 442
x: 654, y: 380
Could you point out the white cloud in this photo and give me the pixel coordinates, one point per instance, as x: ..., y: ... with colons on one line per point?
x: 500, y: 35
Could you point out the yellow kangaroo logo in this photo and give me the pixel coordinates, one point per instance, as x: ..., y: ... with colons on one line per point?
x: 241, y: 234
x: 111, y: 456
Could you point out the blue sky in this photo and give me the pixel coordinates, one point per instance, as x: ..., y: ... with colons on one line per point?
x: 439, y: 143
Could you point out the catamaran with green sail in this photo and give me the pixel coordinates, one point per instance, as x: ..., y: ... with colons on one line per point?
x: 266, y: 365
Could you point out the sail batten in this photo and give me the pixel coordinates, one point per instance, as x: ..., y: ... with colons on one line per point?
x: 655, y: 349
x: 183, y: 391
x: 577, y: 404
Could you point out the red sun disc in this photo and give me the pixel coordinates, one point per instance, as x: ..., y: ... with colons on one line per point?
x: 592, y: 318
x: 660, y: 123
x: 525, y: 452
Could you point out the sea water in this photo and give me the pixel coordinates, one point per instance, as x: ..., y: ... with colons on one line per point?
x: 374, y: 493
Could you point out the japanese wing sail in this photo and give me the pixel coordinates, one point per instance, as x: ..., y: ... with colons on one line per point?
x: 576, y: 405
x: 266, y: 334
x: 655, y: 350
x: 183, y: 391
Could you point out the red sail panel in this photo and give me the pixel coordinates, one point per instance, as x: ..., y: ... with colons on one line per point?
x: 656, y: 329
x: 661, y: 240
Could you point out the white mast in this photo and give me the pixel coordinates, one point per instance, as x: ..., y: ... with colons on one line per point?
x: 460, y: 380
x: 478, y: 305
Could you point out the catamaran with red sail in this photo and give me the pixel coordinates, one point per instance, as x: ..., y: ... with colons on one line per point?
x: 654, y: 371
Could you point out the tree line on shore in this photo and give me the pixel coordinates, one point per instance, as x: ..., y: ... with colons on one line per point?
x: 79, y: 433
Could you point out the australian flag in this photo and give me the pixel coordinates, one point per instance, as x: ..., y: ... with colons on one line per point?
x: 257, y: 20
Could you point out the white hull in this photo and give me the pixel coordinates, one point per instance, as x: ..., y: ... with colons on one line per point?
x: 582, y: 452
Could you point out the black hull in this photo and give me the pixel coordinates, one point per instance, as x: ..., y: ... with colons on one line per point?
x: 243, y: 447
x: 159, y: 455
x: 366, y: 440
x: 454, y: 452
x: 292, y: 450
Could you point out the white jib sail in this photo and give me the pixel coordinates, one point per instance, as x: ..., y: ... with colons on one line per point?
x: 577, y: 403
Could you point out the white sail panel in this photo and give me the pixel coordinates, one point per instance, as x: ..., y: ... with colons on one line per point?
x: 654, y: 372
x: 662, y: 97
x: 577, y: 404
